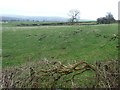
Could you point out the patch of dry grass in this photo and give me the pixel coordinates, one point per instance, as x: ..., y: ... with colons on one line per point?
x: 54, y: 74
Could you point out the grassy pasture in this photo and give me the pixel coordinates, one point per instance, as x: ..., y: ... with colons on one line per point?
x: 25, y: 47
x: 63, y: 43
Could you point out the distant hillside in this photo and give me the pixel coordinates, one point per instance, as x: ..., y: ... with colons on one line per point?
x: 36, y: 18
x: 32, y: 18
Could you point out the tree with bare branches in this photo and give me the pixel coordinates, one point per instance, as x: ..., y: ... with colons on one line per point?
x: 74, y: 15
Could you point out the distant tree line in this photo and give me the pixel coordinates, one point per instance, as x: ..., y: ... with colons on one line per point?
x: 106, y: 20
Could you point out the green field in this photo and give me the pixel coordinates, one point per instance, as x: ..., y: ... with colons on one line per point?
x: 62, y: 43
x: 30, y: 46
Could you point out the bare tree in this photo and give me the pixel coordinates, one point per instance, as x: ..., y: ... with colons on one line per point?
x: 74, y: 15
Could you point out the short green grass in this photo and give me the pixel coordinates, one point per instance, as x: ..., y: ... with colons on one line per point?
x: 64, y: 43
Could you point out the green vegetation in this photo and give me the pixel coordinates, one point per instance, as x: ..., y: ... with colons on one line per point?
x: 61, y: 43
x: 28, y: 49
x: 37, y: 23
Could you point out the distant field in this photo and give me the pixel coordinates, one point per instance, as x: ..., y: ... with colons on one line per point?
x: 37, y: 23
x: 63, y: 43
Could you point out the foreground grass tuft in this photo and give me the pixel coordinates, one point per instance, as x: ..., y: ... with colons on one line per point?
x: 54, y: 74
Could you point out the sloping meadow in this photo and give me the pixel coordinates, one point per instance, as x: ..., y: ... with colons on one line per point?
x: 67, y: 44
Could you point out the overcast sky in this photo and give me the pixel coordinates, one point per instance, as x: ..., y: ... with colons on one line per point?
x: 89, y: 9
